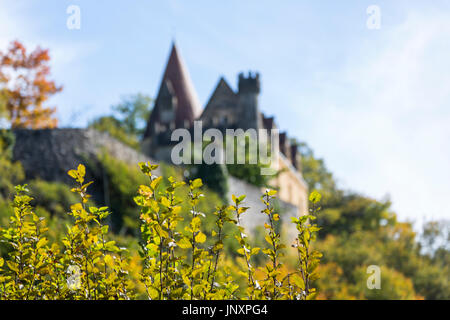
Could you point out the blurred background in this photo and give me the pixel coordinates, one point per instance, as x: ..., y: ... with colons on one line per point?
x: 364, y: 84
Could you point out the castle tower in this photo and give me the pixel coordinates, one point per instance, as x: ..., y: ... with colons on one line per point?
x: 249, y: 89
x: 176, y: 106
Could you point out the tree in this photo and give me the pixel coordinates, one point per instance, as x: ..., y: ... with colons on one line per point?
x: 129, y: 124
x: 24, y: 87
x: 134, y: 111
x: 315, y: 172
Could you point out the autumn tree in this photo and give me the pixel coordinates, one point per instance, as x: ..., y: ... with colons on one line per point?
x: 25, y: 87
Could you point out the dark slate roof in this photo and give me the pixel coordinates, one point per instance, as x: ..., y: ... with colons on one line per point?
x: 221, y: 93
x: 187, y: 103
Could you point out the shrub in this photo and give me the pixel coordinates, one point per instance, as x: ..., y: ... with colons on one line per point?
x: 176, y: 263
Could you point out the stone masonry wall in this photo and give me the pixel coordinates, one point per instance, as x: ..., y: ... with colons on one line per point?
x: 49, y: 154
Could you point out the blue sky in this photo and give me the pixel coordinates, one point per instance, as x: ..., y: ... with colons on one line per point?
x: 374, y: 103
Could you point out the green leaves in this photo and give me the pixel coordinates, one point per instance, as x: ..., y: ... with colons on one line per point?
x: 147, y: 168
x: 179, y: 260
x: 238, y: 200
x: 308, y: 259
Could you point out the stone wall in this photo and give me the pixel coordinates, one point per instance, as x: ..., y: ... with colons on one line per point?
x: 49, y: 154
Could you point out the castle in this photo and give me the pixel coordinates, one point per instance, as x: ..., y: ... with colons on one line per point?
x: 177, y: 106
x: 49, y: 153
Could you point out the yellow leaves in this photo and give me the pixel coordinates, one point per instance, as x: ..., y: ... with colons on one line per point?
x: 165, y: 202
x: 109, y: 261
x: 255, y: 251
x: 152, y: 249
x: 78, y: 174
x: 200, y: 237
x: 176, y: 209
x: 170, y: 266
x: 298, y: 281
x: 147, y: 168
x: 218, y: 246
x: 197, y: 183
x: 42, y: 242
x: 184, y: 243
x: 13, y: 266
x: 198, y: 289
x: 155, y: 183
x: 238, y: 200
x: 160, y: 231
x: 315, y: 197
x: 153, y: 292
x: 195, y: 223
x: 154, y: 206
x: 2, y: 261
x: 145, y: 191
x: 242, y: 210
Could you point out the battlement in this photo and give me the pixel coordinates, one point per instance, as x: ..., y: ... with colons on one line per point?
x: 250, y: 83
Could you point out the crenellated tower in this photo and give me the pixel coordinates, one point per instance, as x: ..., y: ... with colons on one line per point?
x: 249, y: 88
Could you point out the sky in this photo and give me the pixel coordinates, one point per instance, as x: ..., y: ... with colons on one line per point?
x: 374, y: 103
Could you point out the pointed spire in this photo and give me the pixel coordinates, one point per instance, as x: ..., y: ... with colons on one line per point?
x: 187, y: 104
x: 187, y: 100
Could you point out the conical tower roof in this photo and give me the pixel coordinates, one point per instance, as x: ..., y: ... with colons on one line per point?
x: 187, y: 104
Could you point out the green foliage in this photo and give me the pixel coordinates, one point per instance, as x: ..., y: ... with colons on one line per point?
x: 35, y: 269
x: 359, y: 231
x: 308, y: 258
x: 315, y: 172
x: 178, y: 265
x: 215, y: 176
x: 87, y: 249
x: 113, y: 127
x: 54, y: 197
x: 120, y: 181
x: 272, y: 286
x: 11, y: 172
x: 129, y: 123
x: 23, y: 276
x: 134, y: 111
